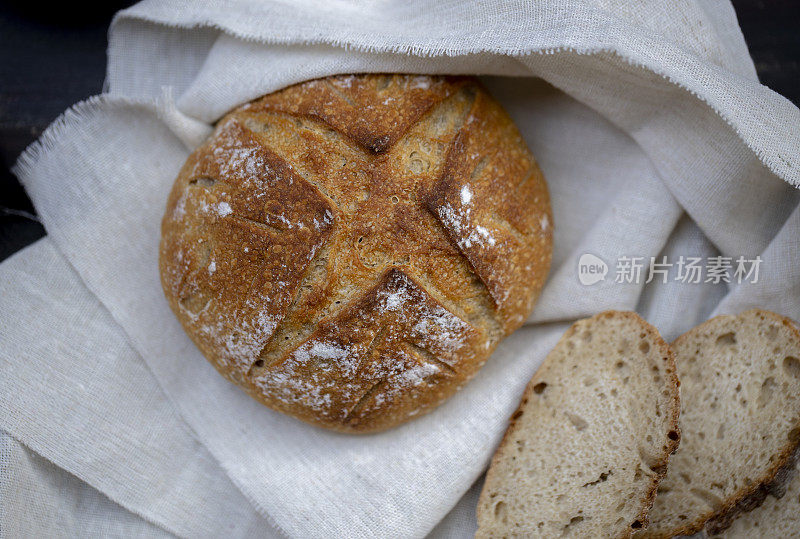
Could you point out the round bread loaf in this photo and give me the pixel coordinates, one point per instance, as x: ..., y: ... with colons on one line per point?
x: 350, y: 250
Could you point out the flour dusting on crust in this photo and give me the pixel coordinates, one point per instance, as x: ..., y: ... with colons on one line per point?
x: 338, y: 364
x: 301, y: 249
x: 235, y: 195
x: 459, y: 220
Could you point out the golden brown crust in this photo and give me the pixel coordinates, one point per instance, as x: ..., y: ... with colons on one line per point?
x: 234, y: 252
x: 673, y: 429
x: 356, y: 107
x: 472, y: 172
x: 307, y: 206
x: 773, y: 482
x: 391, y: 348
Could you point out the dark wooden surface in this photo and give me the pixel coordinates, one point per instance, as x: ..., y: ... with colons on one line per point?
x: 51, y: 58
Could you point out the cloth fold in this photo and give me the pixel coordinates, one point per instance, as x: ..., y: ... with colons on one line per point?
x: 40, y: 499
x: 73, y: 390
x: 648, y: 122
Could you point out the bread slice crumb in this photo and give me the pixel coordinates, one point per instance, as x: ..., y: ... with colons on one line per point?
x: 591, y: 438
x: 740, y: 391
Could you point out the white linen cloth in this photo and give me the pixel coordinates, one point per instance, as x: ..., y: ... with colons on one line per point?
x: 647, y: 119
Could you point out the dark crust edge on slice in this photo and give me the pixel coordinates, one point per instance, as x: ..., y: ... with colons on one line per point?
x: 773, y: 482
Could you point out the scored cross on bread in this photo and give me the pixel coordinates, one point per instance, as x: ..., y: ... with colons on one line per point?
x: 350, y: 250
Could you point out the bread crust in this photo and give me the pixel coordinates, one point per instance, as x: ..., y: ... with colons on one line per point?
x: 773, y: 482
x: 673, y: 442
x: 350, y: 250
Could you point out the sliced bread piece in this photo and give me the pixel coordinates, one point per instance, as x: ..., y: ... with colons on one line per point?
x: 740, y: 418
x: 591, y: 439
x: 776, y: 517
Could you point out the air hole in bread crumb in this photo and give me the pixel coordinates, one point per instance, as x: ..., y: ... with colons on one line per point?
x: 573, y: 521
x: 792, y: 366
x: 539, y: 388
x: 647, y: 459
x: 766, y: 392
x: 727, y: 339
x: 644, y: 347
x: 636, y: 524
x: 602, y: 478
x: 577, y: 421
x: 501, y: 511
x: 259, y: 363
x: 794, y: 435
x: 587, y: 336
x: 772, y: 333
